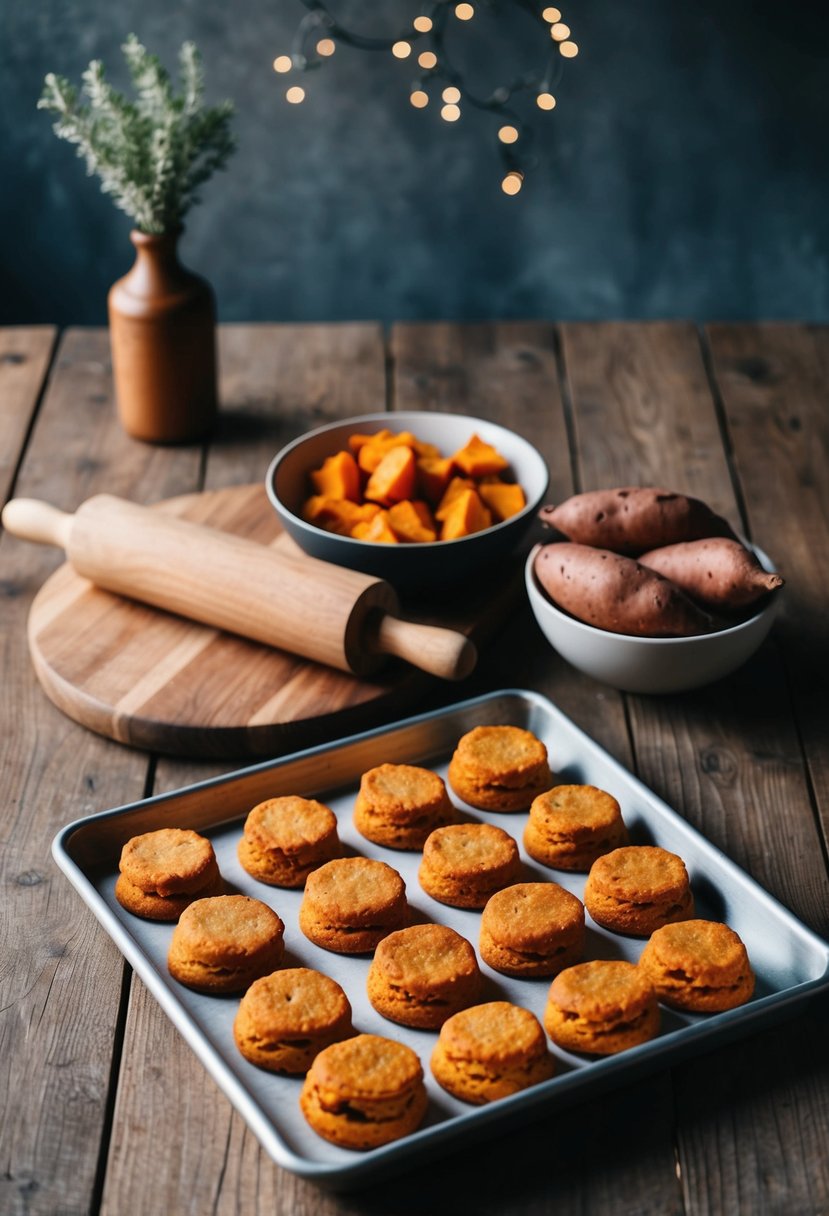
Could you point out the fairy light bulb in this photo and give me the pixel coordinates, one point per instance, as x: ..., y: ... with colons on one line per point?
x: 401, y: 50
x: 451, y: 94
x: 508, y: 134
x: 464, y: 12
x: 326, y: 47
x: 450, y: 113
x: 568, y: 49
x: 427, y: 59
x: 545, y: 101
x: 552, y: 15
x: 422, y: 24
x: 282, y: 63
x: 513, y: 182
x: 295, y: 95
x: 560, y: 31
x: 419, y: 99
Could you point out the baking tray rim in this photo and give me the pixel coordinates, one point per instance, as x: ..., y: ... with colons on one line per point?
x: 676, y: 1045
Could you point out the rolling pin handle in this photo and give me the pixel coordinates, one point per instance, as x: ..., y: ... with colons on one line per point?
x: 31, y: 519
x: 442, y: 652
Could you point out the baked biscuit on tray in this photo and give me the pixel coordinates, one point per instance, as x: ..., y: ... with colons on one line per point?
x: 286, y: 1019
x: 571, y: 825
x: 285, y: 838
x: 162, y: 872
x: 698, y: 965
x: 637, y: 889
x: 601, y: 1007
x: 400, y: 804
x: 532, y: 929
x: 224, y: 943
x: 364, y: 1092
x: 465, y: 863
x: 499, y: 768
x: 422, y: 975
x: 352, y: 903
x: 491, y: 1051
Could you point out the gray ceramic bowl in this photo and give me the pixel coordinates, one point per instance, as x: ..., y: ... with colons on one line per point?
x: 650, y: 665
x: 406, y: 566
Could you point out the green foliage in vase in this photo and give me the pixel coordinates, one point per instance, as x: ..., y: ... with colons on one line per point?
x: 153, y: 153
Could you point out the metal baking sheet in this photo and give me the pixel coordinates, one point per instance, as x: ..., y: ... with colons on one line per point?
x: 790, y: 961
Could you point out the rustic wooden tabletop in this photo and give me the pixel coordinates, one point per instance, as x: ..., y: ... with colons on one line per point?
x: 104, y: 1108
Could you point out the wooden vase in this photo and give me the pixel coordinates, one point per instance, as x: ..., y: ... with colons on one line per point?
x: 162, y: 323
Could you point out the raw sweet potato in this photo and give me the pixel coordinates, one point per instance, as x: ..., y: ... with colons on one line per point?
x: 718, y: 573
x: 634, y: 519
x: 616, y: 593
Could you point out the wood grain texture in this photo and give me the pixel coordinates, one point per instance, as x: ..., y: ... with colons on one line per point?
x: 643, y: 414
x: 25, y: 355
x: 60, y: 982
x: 773, y: 383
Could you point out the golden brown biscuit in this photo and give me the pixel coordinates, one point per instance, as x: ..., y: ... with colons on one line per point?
x: 491, y: 1051
x: 161, y: 872
x: 571, y: 825
x: 161, y: 907
x: 499, y: 768
x: 532, y: 928
x: 638, y: 889
x: 421, y: 975
x: 399, y: 805
x: 364, y: 1092
x: 285, y: 1019
x: 351, y: 904
x: 225, y: 943
x: 601, y: 1008
x: 286, y: 838
x: 465, y: 863
x: 700, y: 965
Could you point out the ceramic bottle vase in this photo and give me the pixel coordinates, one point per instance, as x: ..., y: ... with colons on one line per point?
x: 162, y: 322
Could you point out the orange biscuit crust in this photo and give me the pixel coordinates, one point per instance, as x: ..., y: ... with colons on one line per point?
x: 571, y: 825
x: 224, y: 943
x: 491, y: 1051
x: 285, y: 1019
x: 465, y: 863
x: 637, y: 889
x: 499, y: 768
x: 698, y: 965
x: 422, y: 975
x: 400, y: 804
x: 364, y: 1092
x: 601, y: 1008
x: 161, y: 907
x: 532, y: 929
x: 350, y: 904
x: 286, y: 838
x: 169, y: 861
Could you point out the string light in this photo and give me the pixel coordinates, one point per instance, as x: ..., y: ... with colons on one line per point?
x: 319, y: 32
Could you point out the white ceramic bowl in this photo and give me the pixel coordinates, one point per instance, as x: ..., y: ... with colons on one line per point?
x: 411, y: 566
x: 650, y: 665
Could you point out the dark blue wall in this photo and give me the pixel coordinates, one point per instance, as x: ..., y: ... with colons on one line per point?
x: 683, y: 172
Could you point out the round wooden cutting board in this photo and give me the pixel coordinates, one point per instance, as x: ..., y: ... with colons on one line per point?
x: 159, y: 682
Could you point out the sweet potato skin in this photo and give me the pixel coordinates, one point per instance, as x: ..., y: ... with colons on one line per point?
x: 719, y: 573
x: 634, y: 519
x: 616, y: 593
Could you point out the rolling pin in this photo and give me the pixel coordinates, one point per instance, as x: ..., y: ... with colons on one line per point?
x: 312, y: 608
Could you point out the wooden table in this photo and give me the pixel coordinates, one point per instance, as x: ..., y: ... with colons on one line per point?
x: 104, y: 1107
